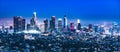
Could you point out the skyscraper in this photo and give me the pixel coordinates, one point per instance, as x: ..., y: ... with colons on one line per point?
x: 52, y: 23
x: 96, y: 28
x: 60, y: 24
x: 78, y: 25
x: 71, y: 26
x: 33, y: 21
x: 65, y: 22
x: 23, y: 24
x: 28, y: 26
x: 45, y: 25
x: 90, y: 27
x: 19, y: 23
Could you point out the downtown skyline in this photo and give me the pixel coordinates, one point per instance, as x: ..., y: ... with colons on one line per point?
x: 40, y: 20
x: 59, y: 25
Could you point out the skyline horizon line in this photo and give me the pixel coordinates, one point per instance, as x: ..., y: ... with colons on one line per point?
x: 85, y: 22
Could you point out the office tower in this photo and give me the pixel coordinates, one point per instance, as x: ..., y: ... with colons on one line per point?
x: 15, y: 23
x: 78, y: 25
x: 96, y: 28
x: 33, y: 22
x: 19, y: 23
x: 52, y: 23
x: 72, y: 29
x: 23, y: 24
x: 60, y: 24
x: 71, y: 26
x: 90, y: 27
x: 65, y: 22
x: 28, y: 26
x: 45, y: 25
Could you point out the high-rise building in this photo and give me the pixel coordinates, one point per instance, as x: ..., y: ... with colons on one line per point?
x: 90, y: 27
x: 78, y: 25
x: 23, y: 24
x: 33, y: 21
x: 65, y: 22
x: 96, y: 28
x: 71, y: 26
x: 52, y: 23
x: 19, y: 23
x: 15, y: 23
x: 45, y: 25
x: 28, y: 26
x: 60, y: 24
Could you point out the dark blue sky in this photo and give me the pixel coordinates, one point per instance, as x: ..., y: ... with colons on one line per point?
x: 74, y: 9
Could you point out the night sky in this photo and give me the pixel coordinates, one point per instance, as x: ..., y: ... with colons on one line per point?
x: 85, y: 10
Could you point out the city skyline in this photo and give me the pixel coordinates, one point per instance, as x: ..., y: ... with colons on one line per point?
x: 9, y: 21
x: 59, y: 26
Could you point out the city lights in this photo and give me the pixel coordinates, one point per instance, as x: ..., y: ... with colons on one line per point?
x: 59, y: 26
